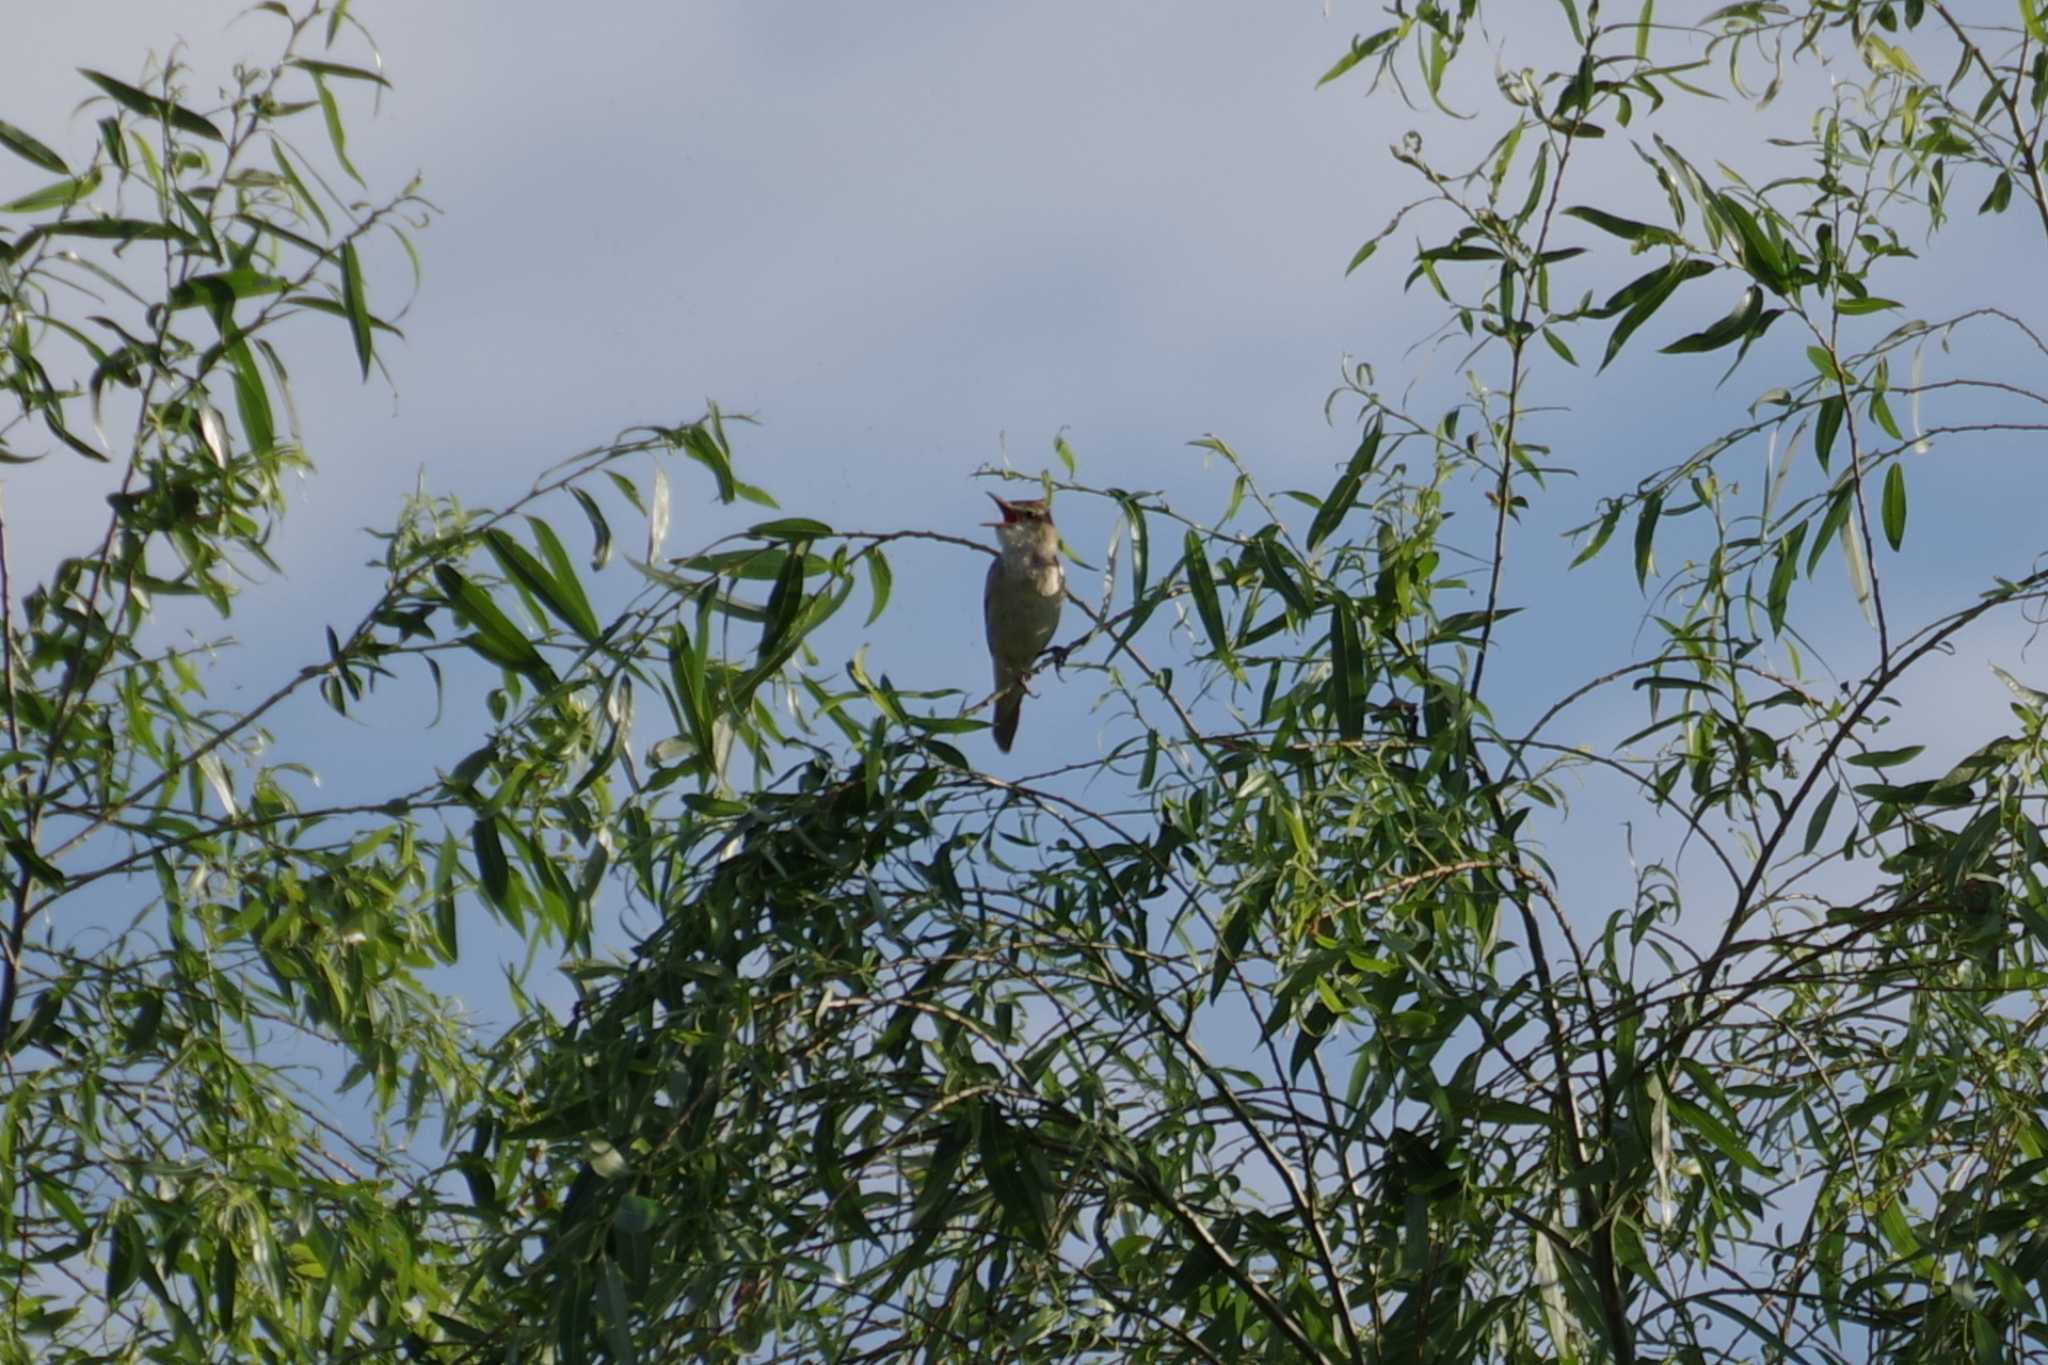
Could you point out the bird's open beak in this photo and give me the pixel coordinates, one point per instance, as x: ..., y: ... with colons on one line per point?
x: 1009, y: 512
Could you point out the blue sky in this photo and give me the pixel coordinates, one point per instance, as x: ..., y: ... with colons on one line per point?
x: 911, y: 238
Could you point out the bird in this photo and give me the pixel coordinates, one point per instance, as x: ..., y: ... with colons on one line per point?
x: 1020, y: 605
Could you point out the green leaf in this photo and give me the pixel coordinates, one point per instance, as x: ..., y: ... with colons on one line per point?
x: 784, y: 602
x: 28, y: 149
x: 1760, y: 254
x: 1016, y: 1177
x: 1202, y: 584
x: 790, y: 528
x: 1347, y: 699
x: 496, y: 638
x: 1699, y: 1121
x: 1141, y: 546
x: 494, y: 874
x: 1628, y: 229
x: 336, y: 69
x: 1837, y: 515
x: 562, y: 597
x: 150, y: 106
x: 1817, y: 823
x: 219, y: 290
x: 337, y: 135
x: 1663, y: 283
x: 1826, y: 423
x: 1783, y: 571
x: 1278, y: 568
x: 1894, y: 507
x: 879, y: 583
x: 1605, y: 529
x: 600, y: 529
x: 1646, y: 534
x: 699, y: 444
x: 1729, y: 330
x: 1337, y: 505
x: 1361, y: 48
x: 109, y: 230
x: 252, y: 399
x: 60, y: 195
x: 618, y: 1316
x: 1886, y: 758
x: 357, y: 306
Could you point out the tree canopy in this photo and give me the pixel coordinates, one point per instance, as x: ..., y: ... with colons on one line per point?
x: 1290, y: 1021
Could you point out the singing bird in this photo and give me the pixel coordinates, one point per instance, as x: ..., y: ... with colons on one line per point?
x: 1020, y: 606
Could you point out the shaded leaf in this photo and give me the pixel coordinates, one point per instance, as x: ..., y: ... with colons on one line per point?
x: 151, y: 106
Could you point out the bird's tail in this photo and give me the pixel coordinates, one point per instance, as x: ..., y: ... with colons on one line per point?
x: 1009, y: 706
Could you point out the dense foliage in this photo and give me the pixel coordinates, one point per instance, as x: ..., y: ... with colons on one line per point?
x: 1268, y: 1033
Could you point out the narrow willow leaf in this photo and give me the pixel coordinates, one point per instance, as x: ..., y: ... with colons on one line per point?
x: 337, y: 69
x: 701, y: 446
x: 790, y: 528
x: 1628, y: 229
x: 1608, y: 520
x: 1783, y: 572
x: 1837, y: 515
x: 1202, y: 584
x: 785, y: 603
x: 216, y: 776
x: 337, y: 135
x: 657, y: 515
x: 150, y: 106
x: 1729, y: 330
x: 219, y: 291
x: 1886, y: 758
x: 60, y: 195
x: 880, y: 581
x: 252, y: 399
x: 600, y: 529
x: 559, y: 566
x: 1894, y: 507
x: 1344, y: 492
x: 1278, y: 568
x: 1857, y: 565
x: 565, y: 601
x: 1361, y: 48
x: 495, y: 638
x: 1347, y: 702
x: 1817, y: 823
x: 1701, y: 1122
x: 1141, y: 547
x: 1646, y: 534
x: 1666, y: 282
x: 28, y: 149
x: 1826, y: 423
x: 494, y: 874
x: 357, y: 305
